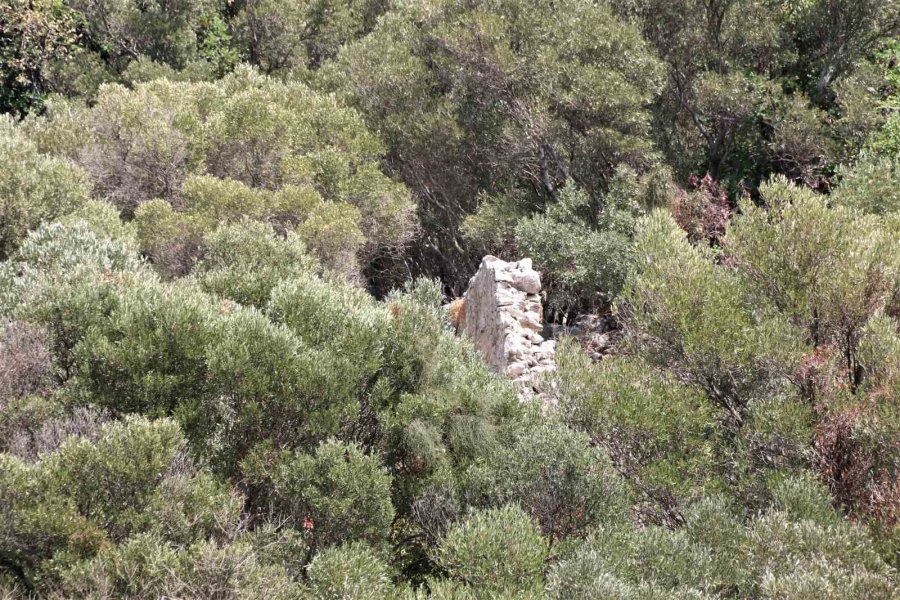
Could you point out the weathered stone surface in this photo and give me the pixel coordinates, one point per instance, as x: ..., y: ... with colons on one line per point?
x: 503, y: 317
x: 528, y: 282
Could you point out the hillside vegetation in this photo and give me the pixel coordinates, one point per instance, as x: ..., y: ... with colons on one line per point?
x: 229, y: 232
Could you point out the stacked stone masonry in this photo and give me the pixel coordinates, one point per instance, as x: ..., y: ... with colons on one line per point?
x: 503, y: 317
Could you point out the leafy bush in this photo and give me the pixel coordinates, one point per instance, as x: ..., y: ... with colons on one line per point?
x: 653, y: 563
x: 870, y: 185
x: 350, y: 571
x: 660, y: 434
x: 36, y: 34
x: 33, y: 188
x: 280, y: 36
x: 836, y: 560
x: 825, y: 269
x: 585, y: 266
x: 245, y: 146
x: 85, y: 495
x: 146, y: 567
x: 714, y: 554
x: 687, y: 314
x: 150, y: 356
x: 495, y: 550
x: 163, y: 31
x: 337, y: 495
x: 554, y: 475
x: 245, y: 262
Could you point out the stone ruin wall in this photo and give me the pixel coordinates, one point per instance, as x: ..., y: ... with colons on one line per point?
x: 503, y: 316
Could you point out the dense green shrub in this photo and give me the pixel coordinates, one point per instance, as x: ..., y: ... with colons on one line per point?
x: 798, y: 289
x: 164, y: 31
x: 714, y: 555
x: 62, y: 278
x: 584, y: 265
x: 836, y: 560
x: 337, y: 495
x: 870, y: 185
x: 33, y: 188
x: 495, y: 550
x: 349, y: 572
x: 245, y: 262
x: 825, y: 269
x: 146, y: 567
x: 688, y: 315
x: 102, y: 218
x: 35, y: 34
x: 554, y: 475
x: 660, y: 434
x: 85, y: 495
x: 151, y: 354
x: 498, y: 104
x: 200, y: 396
x: 245, y: 146
x: 279, y: 36
x: 753, y: 88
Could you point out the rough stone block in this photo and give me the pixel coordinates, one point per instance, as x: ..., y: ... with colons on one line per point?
x: 503, y: 317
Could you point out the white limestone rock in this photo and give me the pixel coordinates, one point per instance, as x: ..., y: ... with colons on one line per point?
x: 503, y: 317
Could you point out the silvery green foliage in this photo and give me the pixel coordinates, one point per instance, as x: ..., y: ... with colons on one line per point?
x: 811, y: 549
x: 584, y: 265
x: 337, y: 494
x: 870, y: 184
x: 201, y: 154
x: 495, y: 550
x: 556, y: 477
x: 246, y: 261
x: 351, y: 571
x: 34, y: 187
x: 129, y: 478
